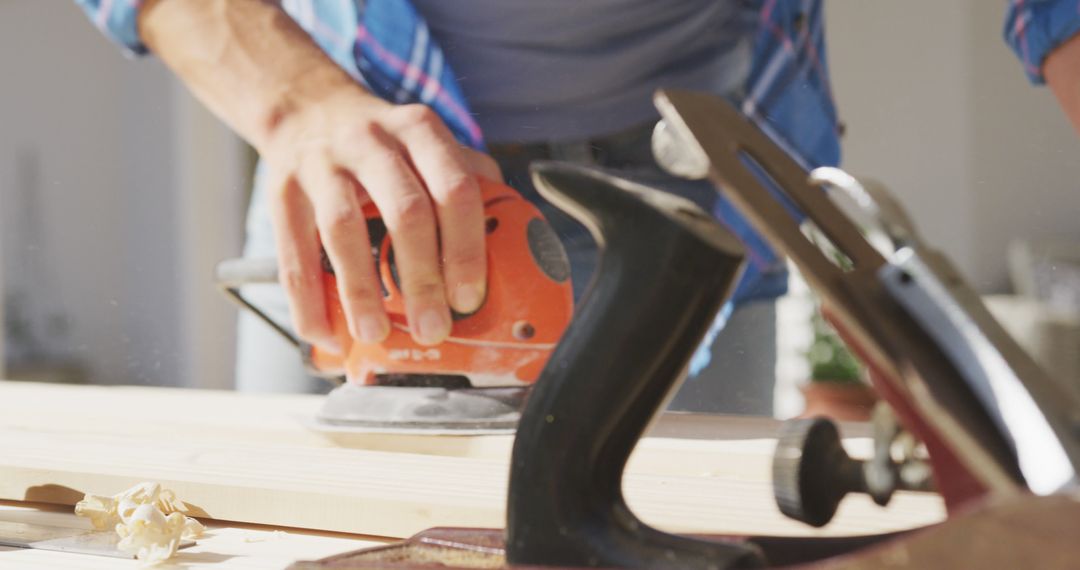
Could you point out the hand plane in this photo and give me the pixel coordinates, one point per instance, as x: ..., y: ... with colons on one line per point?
x: 1002, y: 440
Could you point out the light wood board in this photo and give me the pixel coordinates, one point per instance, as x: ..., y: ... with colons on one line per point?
x: 250, y: 459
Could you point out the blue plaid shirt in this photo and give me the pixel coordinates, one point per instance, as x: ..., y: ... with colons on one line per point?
x: 387, y: 46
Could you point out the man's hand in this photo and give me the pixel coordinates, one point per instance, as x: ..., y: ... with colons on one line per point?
x: 331, y: 147
x: 327, y: 161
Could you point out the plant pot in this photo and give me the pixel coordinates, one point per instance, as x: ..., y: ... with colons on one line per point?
x: 842, y: 401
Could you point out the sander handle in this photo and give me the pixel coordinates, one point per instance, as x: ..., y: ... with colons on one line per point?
x: 231, y: 275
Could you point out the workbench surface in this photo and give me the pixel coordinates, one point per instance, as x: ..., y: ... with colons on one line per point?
x: 256, y: 459
x: 222, y: 547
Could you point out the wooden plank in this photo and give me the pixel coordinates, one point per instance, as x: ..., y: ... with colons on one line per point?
x: 223, y: 547
x: 242, y: 458
x: 165, y: 414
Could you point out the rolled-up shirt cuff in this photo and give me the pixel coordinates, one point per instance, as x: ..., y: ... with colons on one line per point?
x: 118, y: 20
x: 1034, y: 28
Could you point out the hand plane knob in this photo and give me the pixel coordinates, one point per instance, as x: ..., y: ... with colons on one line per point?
x: 811, y: 471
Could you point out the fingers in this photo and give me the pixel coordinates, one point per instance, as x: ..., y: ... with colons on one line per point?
x: 455, y: 194
x: 340, y: 219
x: 483, y: 165
x: 425, y: 187
x: 299, y: 267
x: 407, y: 212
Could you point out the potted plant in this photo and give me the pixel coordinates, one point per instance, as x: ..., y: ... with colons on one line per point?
x: 837, y: 387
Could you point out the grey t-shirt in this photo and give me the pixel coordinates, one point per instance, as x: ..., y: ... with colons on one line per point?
x: 543, y: 70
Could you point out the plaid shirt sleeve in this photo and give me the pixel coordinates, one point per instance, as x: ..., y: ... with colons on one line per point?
x: 1034, y: 28
x: 383, y: 44
x: 117, y: 19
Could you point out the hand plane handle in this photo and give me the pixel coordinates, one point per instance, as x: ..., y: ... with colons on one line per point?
x: 664, y: 270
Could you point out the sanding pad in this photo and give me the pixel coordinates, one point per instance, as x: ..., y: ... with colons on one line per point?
x: 422, y: 410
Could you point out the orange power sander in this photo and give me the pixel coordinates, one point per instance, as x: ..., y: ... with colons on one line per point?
x: 476, y: 380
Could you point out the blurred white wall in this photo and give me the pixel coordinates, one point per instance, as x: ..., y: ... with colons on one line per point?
x: 938, y: 108
x: 102, y: 194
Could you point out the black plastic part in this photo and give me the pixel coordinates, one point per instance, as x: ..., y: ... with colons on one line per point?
x: 392, y: 262
x: 448, y: 381
x: 811, y: 471
x: 547, y: 251
x: 377, y: 236
x: 324, y: 260
x: 665, y: 269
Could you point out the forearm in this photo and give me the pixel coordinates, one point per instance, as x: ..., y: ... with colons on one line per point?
x: 331, y: 148
x: 1062, y: 72
x: 244, y: 59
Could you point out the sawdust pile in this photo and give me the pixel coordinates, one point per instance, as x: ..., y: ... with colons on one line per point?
x: 148, y: 519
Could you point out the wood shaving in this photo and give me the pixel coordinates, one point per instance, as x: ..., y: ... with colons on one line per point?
x: 149, y: 519
x: 149, y: 534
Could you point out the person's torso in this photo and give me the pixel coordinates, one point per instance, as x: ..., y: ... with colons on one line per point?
x: 536, y: 70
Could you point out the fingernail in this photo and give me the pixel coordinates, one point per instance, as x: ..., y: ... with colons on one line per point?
x: 434, y: 326
x: 468, y: 297
x: 372, y: 329
x: 331, y: 345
